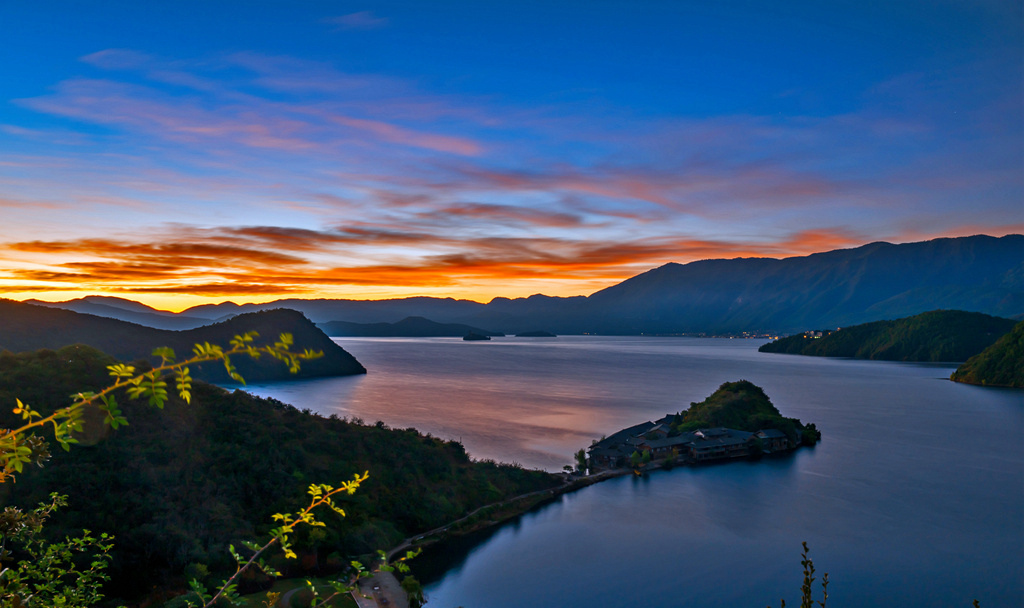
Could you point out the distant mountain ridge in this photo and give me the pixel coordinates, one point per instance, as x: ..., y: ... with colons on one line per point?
x: 27, y: 327
x: 831, y: 289
x: 130, y: 311
x: 940, y: 335
x: 409, y: 327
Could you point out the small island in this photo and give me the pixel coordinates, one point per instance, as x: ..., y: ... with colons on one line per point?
x: 738, y: 420
x: 475, y: 336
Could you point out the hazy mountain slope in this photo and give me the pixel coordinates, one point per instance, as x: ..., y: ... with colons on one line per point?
x: 409, y: 327
x: 25, y: 327
x: 127, y: 310
x: 442, y: 310
x: 836, y: 288
x: 1001, y: 364
x: 940, y: 335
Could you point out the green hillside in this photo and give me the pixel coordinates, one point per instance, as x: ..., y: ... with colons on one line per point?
x: 178, y: 485
x: 1001, y: 364
x: 25, y: 327
x: 743, y: 406
x: 939, y: 335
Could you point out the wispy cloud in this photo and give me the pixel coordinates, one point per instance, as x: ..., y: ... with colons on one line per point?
x: 362, y: 20
x: 252, y: 256
x: 359, y: 181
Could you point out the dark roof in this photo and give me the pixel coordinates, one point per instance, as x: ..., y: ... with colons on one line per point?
x: 624, y: 435
x: 721, y: 437
x: 669, y: 442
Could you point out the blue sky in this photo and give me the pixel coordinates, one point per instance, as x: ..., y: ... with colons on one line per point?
x: 201, y: 151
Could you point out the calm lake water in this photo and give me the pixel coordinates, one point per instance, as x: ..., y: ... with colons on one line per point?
x: 915, y: 497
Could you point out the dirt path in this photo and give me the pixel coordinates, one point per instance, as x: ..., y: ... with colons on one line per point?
x: 566, y: 487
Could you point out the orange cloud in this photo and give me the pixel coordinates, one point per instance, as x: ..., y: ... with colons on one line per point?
x: 246, y: 261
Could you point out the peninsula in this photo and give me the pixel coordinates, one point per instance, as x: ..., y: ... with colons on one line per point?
x: 737, y: 420
x: 939, y: 335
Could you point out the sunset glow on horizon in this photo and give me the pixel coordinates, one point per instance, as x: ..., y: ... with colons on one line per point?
x: 196, y: 153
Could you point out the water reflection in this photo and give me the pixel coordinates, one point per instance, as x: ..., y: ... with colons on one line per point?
x: 515, y: 399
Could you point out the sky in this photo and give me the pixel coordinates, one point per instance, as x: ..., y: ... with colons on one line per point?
x: 188, y: 152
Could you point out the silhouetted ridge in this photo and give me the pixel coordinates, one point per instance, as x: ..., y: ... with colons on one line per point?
x: 25, y: 327
x: 409, y: 327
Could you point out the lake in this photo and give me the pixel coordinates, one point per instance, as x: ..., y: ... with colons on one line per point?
x: 915, y: 496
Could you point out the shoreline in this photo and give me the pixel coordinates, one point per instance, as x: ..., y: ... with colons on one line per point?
x: 509, y: 509
x: 498, y: 513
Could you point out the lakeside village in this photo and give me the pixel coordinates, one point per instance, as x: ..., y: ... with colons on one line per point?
x: 654, y: 441
x: 705, y: 433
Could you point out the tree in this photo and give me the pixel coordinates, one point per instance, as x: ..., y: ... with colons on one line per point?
x: 635, y: 459
x: 414, y: 590
x: 581, y: 461
x: 671, y: 459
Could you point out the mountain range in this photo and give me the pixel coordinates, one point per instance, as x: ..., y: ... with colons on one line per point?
x: 830, y: 289
x: 409, y: 327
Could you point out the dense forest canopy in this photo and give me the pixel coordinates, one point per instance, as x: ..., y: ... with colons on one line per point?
x: 1001, y: 364
x: 939, y: 335
x: 744, y: 406
x: 177, y: 486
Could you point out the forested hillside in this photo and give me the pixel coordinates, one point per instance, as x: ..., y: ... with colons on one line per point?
x: 178, y: 485
x: 1001, y: 364
x: 940, y: 335
x: 744, y: 406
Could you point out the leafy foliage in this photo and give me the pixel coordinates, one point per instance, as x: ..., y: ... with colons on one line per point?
x: 1001, y: 364
x: 65, y: 573
x: 940, y: 335
x: 806, y: 590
